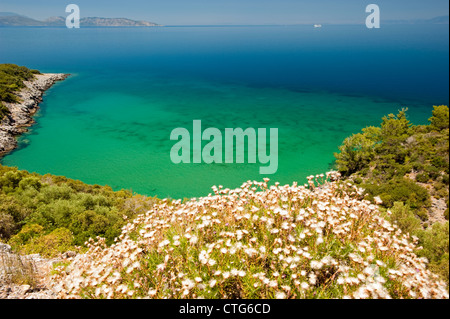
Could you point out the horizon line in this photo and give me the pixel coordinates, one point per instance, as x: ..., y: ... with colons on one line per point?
x: 387, y: 21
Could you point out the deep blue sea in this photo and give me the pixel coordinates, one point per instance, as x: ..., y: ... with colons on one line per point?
x: 110, y: 122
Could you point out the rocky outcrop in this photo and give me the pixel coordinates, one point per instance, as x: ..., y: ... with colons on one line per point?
x: 21, y: 114
x: 26, y: 276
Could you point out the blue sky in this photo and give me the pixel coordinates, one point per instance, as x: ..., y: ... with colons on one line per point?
x: 176, y: 12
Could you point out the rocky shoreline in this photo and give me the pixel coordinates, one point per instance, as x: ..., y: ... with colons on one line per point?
x: 21, y: 114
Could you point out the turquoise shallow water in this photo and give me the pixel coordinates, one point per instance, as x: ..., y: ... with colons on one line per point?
x: 110, y: 122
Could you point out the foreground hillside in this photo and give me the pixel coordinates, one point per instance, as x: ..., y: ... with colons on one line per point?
x: 256, y: 242
x: 362, y: 236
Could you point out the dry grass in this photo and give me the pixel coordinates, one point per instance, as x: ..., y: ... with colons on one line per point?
x: 18, y: 270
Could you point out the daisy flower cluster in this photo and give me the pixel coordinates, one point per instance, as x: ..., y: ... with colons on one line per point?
x: 318, y: 240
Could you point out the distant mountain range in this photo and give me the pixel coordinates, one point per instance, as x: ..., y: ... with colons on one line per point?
x: 10, y: 19
x: 436, y: 20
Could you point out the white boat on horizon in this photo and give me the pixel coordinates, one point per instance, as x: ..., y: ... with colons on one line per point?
x: 317, y: 26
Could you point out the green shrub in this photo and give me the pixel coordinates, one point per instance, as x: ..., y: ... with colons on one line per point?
x: 7, y: 226
x: 10, y: 180
x: 422, y: 214
x: 30, y: 182
x: 441, y: 193
x: 446, y: 211
x: 417, y: 166
x: 10, y: 206
x: 438, y: 161
x: 440, y: 119
x: 432, y: 171
x: 27, y: 233
x: 355, y: 153
x: 445, y: 179
x: 3, y: 111
x: 90, y: 224
x: 394, y: 132
x: 50, y: 245
x: 422, y: 177
x: 403, y: 216
x: 400, y: 190
x: 53, y: 193
x: 435, y: 241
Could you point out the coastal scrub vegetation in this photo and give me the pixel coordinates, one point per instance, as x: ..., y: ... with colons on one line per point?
x: 52, y: 214
x: 11, y: 80
x: 405, y: 168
